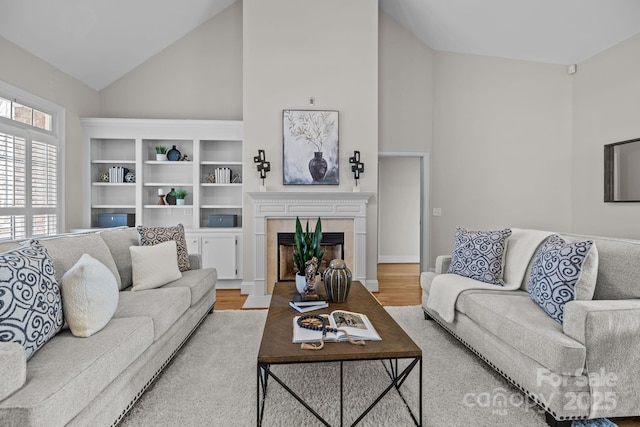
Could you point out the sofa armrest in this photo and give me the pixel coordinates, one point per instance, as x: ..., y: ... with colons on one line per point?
x: 442, y: 263
x: 609, y: 331
x: 196, y: 261
x: 13, y: 368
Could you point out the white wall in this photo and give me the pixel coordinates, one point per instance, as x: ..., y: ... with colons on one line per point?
x: 606, y: 99
x: 295, y: 49
x: 405, y: 112
x: 406, y: 89
x: 502, y: 150
x: 23, y: 70
x: 197, y: 77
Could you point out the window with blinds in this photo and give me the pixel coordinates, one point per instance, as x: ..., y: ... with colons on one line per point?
x: 29, y: 171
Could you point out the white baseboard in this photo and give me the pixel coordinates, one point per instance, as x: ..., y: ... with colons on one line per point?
x: 228, y: 284
x: 397, y: 259
x: 248, y: 288
x: 371, y: 285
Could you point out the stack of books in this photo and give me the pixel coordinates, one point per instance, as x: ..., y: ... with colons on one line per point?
x: 304, y: 306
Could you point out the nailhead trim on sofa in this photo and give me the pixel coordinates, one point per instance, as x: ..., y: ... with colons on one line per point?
x: 505, y: 376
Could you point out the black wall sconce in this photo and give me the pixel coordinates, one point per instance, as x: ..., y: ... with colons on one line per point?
x: 263, y: 165
x: 357, y: 166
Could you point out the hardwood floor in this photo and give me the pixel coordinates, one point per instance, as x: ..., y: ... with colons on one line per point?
x: 398, y: 284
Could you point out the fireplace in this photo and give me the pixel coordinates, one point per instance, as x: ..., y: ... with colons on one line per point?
x: 276, y: 212
x: 332, y: 244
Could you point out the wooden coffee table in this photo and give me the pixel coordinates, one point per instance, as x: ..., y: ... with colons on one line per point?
x: 276, y: 347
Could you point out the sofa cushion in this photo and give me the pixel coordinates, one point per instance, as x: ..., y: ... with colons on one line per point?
x: 154, y: 266
x: 89, y: 295
x: 479, y: 255
x: 518, y: 321
x: 66, y: 250
x: 30, y: 301
x: 13, y: 368
x: 69, y: 372
x: 119, y: 240
x: 558, y: 274
x: 199, y: 282
x: 155, y: 235
x: 163, y: 305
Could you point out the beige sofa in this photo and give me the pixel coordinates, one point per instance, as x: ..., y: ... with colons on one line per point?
x: 588, y: 367
x: 95, y: 380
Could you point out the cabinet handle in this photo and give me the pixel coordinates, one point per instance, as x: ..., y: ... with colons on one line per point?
x: 206, y: 241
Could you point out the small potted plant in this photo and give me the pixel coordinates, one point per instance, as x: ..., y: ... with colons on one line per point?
x: 307, y: 246
x: 180, y: 195
x: 161, y: 153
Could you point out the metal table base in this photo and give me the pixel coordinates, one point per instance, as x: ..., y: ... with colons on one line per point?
x: 396, y: 376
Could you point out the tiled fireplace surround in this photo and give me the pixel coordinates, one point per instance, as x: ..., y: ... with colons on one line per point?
x: 276, y: 212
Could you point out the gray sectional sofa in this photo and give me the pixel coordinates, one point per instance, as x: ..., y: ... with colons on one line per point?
x: 589, y: 366
x: 95, y: 380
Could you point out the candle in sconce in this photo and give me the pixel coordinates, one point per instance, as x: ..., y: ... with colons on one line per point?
x: 160, y: 192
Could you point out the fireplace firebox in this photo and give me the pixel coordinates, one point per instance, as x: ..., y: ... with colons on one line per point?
x: 332, y: 244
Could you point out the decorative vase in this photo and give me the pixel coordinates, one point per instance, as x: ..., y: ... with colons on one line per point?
x: 179, y: 202
x: 337, y: 281
x: 301, y: 282
x: 161, y: 157
x: 171, y: 198
x: 317, y: 166
x: 173, y: 155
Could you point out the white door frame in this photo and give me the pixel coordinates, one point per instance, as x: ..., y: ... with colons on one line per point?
x: 425, y: 173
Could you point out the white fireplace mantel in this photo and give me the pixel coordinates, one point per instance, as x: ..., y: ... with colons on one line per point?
x: 339, y: 205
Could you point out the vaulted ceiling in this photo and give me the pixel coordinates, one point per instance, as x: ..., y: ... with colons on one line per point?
x: 98, y: 41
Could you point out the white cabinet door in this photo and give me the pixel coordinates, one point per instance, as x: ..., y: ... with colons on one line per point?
x: 193, y: 244
x: 219, y: 252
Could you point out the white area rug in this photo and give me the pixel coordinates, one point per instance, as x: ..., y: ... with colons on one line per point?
x: 212, y: 382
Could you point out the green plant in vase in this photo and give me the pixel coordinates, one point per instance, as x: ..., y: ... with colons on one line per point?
x: 161, y: 152
x: 180, y: 195
x: 307, y: 246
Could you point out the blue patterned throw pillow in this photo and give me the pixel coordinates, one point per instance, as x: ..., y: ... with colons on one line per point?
x: 480, y: 255
x: 555, y: 272
x: 30, y: 301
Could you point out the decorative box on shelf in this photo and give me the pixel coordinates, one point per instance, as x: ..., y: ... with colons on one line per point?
x: 108, y: 220
x: 219, y: 221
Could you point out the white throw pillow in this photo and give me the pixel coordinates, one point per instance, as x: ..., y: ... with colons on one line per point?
x: 154, y: 266
x: 89, y: 296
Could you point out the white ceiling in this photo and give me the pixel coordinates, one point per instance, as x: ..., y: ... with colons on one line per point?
x: 552, y: 31
x: 98, y: 41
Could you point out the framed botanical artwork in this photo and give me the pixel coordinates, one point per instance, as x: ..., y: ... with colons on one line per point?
x: 310, y: 139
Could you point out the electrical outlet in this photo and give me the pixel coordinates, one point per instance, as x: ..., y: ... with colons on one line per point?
x: 437, y: 212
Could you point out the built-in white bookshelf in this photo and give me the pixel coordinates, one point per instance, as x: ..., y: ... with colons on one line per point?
x: 208, y: 145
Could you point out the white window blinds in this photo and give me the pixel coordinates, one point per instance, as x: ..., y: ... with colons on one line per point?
x: 29, y: 170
